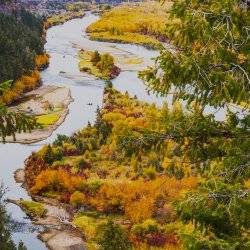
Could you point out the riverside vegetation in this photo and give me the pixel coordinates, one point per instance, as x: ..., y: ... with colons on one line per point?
x: 99, y: 65
x: 22, y: 55
x: 24, y: 31
x: 102, y: 169
x: 62, y: 18
x: 142, y: 23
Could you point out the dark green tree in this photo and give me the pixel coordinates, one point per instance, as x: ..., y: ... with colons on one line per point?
x: 6, y: 242
x: 209, y: 66
x: 112, y: 237
x: 210, y: 63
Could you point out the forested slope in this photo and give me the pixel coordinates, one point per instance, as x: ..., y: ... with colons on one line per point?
x: 21, y: 52
x: 20, y: 41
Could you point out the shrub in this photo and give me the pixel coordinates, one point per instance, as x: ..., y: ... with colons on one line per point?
x: 60, y: 140
x: 42, y: 61
x: 57, y: 180
x: 86, y: 224
x: 50, y: 154
x: 156, y: 239
x: 94, y: 185
x: 148, y: 226
x: 95, y: 57
x: 106, y: 63
x: 150, y: 173
x: 33, y: 209
x: 112, y: 237
x: 82, y: 164
x: 77, y: 198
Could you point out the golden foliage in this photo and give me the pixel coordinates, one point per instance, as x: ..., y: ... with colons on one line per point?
x: 22, y: 85
x: 42, y: 61
x: 132, y: 196
x: 142, y: 23
x: 57, y: 180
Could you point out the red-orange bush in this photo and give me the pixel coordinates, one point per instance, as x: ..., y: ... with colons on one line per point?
x: 57, y: 180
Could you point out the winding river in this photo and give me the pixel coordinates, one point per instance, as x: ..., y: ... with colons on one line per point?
x: 63, y: 44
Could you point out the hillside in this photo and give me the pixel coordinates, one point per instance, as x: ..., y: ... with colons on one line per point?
x: 22, y: 52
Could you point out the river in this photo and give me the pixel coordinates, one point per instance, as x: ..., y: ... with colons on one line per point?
x: 63, y: 44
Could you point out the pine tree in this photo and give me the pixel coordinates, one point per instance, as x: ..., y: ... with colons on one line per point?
x: 13, y: 122
x: 209, y: 66
x: 113, y: 238
x: 6, y: 242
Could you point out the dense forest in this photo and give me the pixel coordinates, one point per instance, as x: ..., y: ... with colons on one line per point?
x: 21, y: 57
x: 21, y: 39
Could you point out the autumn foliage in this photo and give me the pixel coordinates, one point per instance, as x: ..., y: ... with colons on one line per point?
x: 97, y: 168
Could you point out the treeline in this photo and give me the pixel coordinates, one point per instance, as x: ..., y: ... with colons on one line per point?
x: 21, y: 53
x: 21, y: 39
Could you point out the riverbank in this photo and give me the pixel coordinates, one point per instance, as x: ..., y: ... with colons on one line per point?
x: 62, y: 18
x: 49, y: 105
x: 58, y: 231
x: 103, y: 174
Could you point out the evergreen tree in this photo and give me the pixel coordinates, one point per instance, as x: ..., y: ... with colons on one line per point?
x: 6, y: 242
x: 211, y: 62
x: 113, y: 238
x: 13, y: 122
x: 49, y: 155
x: 211, y: 67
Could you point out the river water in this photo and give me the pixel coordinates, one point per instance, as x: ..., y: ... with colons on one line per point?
x: 63, y: 44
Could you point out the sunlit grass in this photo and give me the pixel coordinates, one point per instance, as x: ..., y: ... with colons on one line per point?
x: 48, y: 119
x: 134, y: 60
x: 34, y: 209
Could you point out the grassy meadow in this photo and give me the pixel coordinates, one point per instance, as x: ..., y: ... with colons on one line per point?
x: 142, y: 23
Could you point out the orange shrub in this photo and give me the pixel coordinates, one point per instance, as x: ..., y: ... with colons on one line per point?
x: 22, y: 85
x: 77, y: 198
x: 42, y: 61
x: 57, y: 180
x: 138, y: 199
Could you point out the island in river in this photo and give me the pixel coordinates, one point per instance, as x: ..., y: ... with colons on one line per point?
x: 49, y: 105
